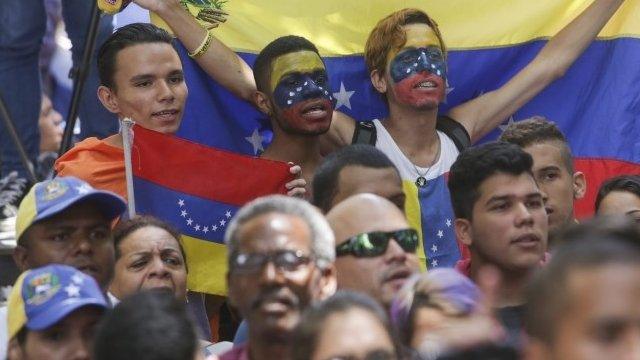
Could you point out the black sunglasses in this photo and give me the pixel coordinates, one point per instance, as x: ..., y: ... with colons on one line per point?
x: 375, y: 243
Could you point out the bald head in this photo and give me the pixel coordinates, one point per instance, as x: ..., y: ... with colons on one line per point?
x: 364, y: 213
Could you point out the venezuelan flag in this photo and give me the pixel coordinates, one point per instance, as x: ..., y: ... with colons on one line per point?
x: 198, y: 189
x: 596, y: 103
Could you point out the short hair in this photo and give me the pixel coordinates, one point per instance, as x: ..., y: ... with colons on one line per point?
x: 278, y: 47
x: 309, y: 329
x: 388, y: 34
x: 627, y: 183
x: 122, y: 38
x: 322, y: 238
x: 126, y: 227
x: 443, y: 289
x: 475, y: 165
x: 587, y: 246
x: 535, y: 130
x: 325, y: 180
x: 150, y: 325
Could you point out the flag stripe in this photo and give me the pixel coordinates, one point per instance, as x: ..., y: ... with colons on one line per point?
x: 341, y: 27
x: 219, y: 180
x: 207, y: 266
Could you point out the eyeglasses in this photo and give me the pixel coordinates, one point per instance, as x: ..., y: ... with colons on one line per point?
x: 375, y: 243
x: 287, y: 261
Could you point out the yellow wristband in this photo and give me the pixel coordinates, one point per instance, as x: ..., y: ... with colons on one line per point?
x: 204, y: 46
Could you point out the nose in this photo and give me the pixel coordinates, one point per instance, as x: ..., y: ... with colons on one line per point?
x: 80, y: 348
x: 158, y: 268
x: 311, y: 89
x: 270, y: 274
x: 165, y: 92
x: 395, y: 253
x: 523, y: 215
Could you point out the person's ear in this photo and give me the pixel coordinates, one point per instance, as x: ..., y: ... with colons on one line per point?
x: 463, y: 231
x: 21, y: 257
x: 328, y: 283
x: 108, y: 99
x: 262, y: 102
x: 579, y: 185
x: 378, y: 81
x: 14, y: 350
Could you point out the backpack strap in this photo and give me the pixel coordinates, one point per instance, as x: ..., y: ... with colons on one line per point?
x: 455, y: 131
x: 365, y: 133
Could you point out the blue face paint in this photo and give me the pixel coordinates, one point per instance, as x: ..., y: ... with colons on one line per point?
x: 297, y: 87
x: 414, y: 61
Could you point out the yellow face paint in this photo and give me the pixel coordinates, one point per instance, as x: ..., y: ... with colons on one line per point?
x: 297, y: 62
x: 418, y: 36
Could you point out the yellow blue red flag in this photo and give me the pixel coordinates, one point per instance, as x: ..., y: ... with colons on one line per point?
x: 596, y: 103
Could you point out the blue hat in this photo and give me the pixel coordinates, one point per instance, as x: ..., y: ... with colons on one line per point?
x: 43, y: 296
x: 51, y: 197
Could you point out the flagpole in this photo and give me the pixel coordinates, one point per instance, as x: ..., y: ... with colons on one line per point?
x: 127, y: 140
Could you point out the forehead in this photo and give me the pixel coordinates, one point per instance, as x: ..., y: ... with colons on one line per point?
x: 357, y: 179
x: 547, y: 153
x: 273, y: 232
x: 362, y: 218
x: 619, y: 202
x: 501, y: 184
x: 146, y: 58
x: 148, y: 238
x: 304, y: 61
x: 420, y: 35
x: 590, y: 292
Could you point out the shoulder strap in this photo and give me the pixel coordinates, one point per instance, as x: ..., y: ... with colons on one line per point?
x: 455, y: 131
x: 365, y: 133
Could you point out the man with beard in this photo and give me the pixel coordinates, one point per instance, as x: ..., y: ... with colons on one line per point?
x: 281, y: 258
x: 375, y: 246
x: 552, y: 168
x: 500, y: 216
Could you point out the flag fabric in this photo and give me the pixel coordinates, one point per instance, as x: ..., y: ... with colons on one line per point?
x: 596, y: 104
x: 198, y: 189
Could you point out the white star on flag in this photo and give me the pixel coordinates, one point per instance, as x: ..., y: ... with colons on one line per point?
x: 181, y: 202
x: 72, y: 290
x: 343, y: 97
x: 214, y: 228
x: 505, y: 126
x: 448, y: 222
x: 189, y: 221
x: 256, y: 141
x: 434, y: 263
x: 440, y: 234
x: 205, y: 229
x: 197, y: 227
x: 183, y: 213
x: 228, y: 214
x: 83, y: 189
x: 222, y: 222
x: 434, y: 248
x: 77, y: 279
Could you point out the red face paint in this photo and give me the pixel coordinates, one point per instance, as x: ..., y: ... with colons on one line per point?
x: 422, y: 90
x: 310, y: 117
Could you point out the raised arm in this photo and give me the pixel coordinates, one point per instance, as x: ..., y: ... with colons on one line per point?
x: 481, y: 115
x: 220, y: 62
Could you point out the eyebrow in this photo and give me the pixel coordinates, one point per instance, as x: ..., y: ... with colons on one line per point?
x: 141, y: 77
x: 550, y: 167
x: 509, y: 197
x: 297, y: 72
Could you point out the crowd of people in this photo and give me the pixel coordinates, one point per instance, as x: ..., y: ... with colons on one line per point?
x: 334, y: 269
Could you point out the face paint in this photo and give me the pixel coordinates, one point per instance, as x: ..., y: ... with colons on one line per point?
x: 301, y: 92
x: 418, y: 71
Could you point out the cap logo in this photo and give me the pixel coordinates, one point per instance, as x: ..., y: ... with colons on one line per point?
x: 54, y: 189
x: 41, y: 288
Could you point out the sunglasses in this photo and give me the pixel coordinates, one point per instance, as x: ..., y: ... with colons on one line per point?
x: 375, y: 243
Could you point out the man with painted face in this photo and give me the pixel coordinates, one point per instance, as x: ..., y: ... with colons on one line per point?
x: 406, y: 58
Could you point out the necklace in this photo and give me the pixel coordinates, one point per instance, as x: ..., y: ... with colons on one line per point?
x: 421, y: 180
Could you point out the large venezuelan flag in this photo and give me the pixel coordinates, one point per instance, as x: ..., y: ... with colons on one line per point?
x: 596, y: 104
x: 198, y: 189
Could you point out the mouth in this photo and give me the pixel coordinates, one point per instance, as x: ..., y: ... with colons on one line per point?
x: 526, y: 240
x: 275, y: 304
x: 166, y: 115
x: 315, y: 109
x: 398, y: 277
x: 89, y: 269
x: 428, y: 84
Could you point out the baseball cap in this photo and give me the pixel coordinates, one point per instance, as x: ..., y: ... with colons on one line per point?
x: 43, y: 296
x: 48, y: 198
